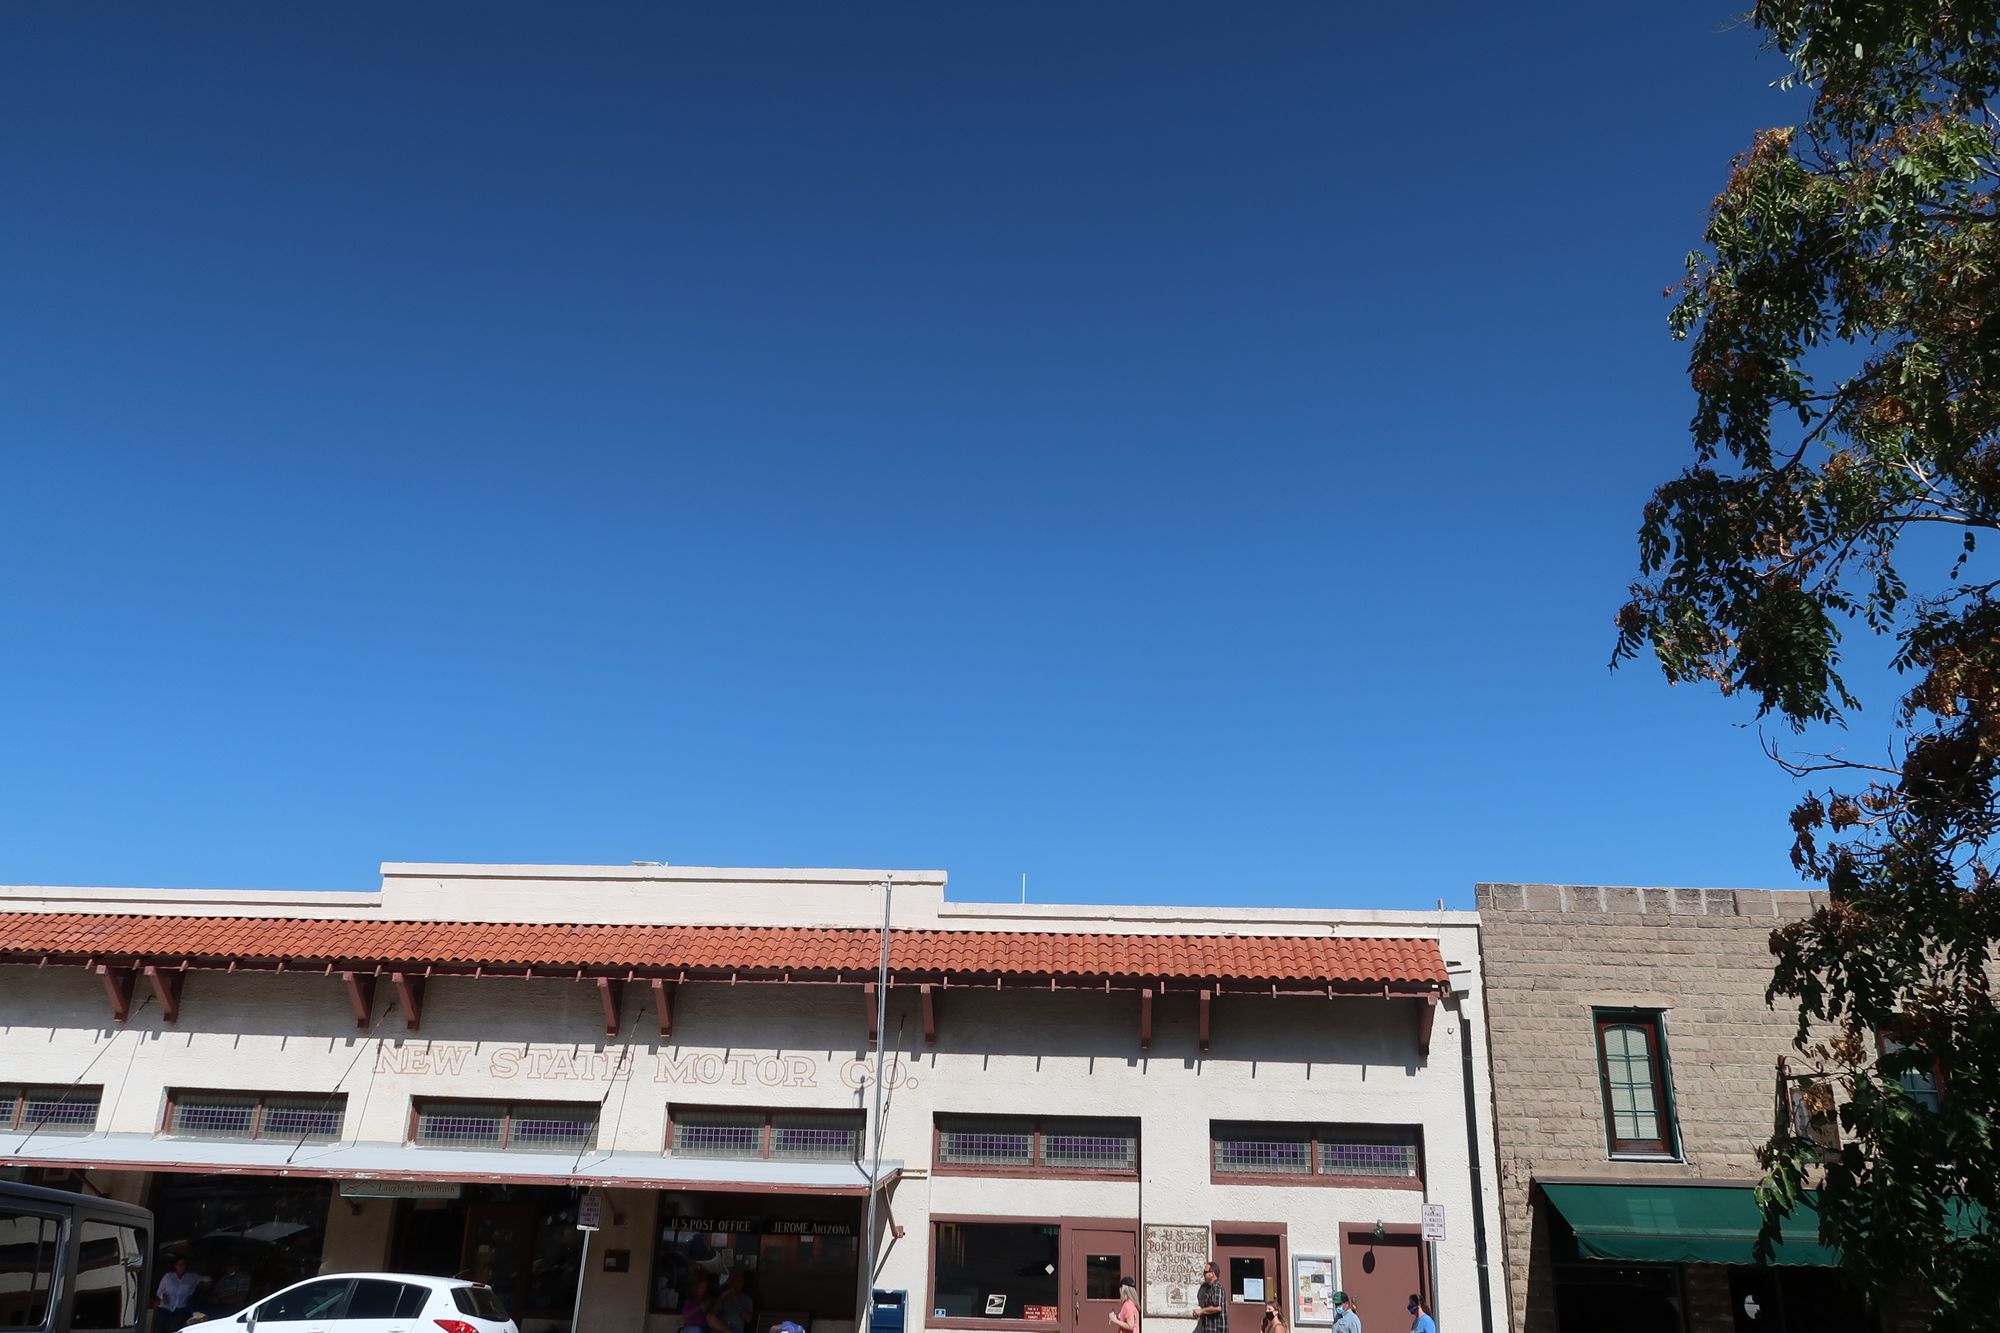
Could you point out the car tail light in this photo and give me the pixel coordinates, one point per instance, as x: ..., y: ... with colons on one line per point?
x: 456, y: 1326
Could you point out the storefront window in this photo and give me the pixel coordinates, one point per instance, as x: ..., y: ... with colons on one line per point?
x: 785, y: 1266
x: 997, y: 1270
x: 248, y: 1235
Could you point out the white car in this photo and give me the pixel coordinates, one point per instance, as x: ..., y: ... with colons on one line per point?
x: 372, y: 1303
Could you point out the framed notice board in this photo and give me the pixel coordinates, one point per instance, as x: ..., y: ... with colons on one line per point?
x: 1312, y: 1290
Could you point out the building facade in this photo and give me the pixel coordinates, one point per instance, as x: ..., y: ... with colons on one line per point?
x: 449, y: 1073
x: 1636, y: 1073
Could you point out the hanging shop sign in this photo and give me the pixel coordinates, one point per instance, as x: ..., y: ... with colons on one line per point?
x: 401, y: 1189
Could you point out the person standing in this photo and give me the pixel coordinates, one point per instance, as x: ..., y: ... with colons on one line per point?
x: 175, y: 1295
x: 1274, y: 1319
x: 1420, y: 1319
x: 1208, y: 1316
x: 1345, y: 1320
x: 1126, y: 1316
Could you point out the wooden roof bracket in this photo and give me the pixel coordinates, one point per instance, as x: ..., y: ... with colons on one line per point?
x: 118, y: 988
x: 930, y: 1014
x: 1425, y: 1019
x: 409, y: 994
x: 167, y: 990
x: 1146, y: 1018
x: 611, y: 992
x: 868, y: 994
x: 1206, y: 996
x: 360, y: 996
x: 663, y: 1001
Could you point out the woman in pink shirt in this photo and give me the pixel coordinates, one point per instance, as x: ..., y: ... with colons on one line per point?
x: 1126, y: 1316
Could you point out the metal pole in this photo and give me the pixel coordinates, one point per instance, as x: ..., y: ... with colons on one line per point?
x: 881, y: 1055
x: 582, y: 1267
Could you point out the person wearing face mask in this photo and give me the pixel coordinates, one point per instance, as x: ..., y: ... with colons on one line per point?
x: 1345, y: 1320
x: 1421, y: 1322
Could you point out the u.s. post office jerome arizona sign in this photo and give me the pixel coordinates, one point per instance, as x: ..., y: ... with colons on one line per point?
x: 578, y: 1064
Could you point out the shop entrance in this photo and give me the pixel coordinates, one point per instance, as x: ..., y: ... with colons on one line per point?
x: 1098, y: 1258
x: 521, y: 1240
x: 1379, y: 1267
x: 1250, y: 1275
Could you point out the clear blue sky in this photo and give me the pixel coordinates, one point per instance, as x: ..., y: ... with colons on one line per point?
x: 1187, y: 452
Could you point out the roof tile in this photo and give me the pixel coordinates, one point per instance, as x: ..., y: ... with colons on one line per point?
x: 1317, y: 959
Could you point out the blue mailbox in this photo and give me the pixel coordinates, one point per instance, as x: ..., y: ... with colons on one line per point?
x: 887, y: 1314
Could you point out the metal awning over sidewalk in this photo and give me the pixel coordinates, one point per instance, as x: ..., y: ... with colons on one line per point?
x: 386, y: 1161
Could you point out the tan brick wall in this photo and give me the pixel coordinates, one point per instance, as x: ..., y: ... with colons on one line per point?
x: 1552, y: 953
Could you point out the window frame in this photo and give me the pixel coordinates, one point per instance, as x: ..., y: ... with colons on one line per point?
x: 1665, y: 1148
x: 260, y: 1107
x: 767, y: 1133
x: 1035, y: 1168
x: 1882, y: 1048
x: 1065, y: 1225
x: 510, y: 1109
x: 1315, y: 1133
x: 14, y: 1098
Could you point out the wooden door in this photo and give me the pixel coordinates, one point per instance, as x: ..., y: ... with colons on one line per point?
x: 1098, y: 1258
x: 1379, y: 1272
x: 1250, y: 1276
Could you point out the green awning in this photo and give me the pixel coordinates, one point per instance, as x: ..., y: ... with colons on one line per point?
x: 1691, y: 1224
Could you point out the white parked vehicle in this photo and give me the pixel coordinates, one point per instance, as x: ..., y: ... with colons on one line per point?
x: 372, y: 1303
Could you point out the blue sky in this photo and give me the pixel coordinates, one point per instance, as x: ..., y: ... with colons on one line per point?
x: 1187, y: 453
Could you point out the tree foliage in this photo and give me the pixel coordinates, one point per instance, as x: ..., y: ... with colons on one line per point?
x: 1844, y: 324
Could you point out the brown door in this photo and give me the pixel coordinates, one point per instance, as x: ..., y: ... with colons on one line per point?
x: 1379, y: 1272
x: 1097, y: 1260
x: 1250, y: 1276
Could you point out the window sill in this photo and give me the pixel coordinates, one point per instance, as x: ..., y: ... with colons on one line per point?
x: 1645, y: 1157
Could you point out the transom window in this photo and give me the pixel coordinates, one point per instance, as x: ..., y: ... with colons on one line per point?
x: 793, y: 1136
x: 505, y: 1126
x: 308, y: 1118
x: 1025, y: 1144
x: 1632, y: 1065
x: 57, y: 1109
x: 1305, y: 1151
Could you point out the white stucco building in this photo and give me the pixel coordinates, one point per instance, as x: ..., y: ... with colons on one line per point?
x: 428, y: 1076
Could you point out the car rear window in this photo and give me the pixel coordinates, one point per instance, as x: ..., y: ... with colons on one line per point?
x: 479, y: 1302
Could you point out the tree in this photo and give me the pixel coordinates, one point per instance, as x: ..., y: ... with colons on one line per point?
x: 1843, y: 318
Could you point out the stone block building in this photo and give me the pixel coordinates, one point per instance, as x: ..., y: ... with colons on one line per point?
x: 1635, y: 1074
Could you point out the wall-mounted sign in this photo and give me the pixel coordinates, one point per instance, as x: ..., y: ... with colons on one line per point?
x: 1046, y: 1314
x: 1312, y: 1289
x: 756, y: 1226
x: 400, y: 1189
x: 996, y: 1304
x: 589, y: 1213
x: 1172, y: 1262
x: 1433, y: 1215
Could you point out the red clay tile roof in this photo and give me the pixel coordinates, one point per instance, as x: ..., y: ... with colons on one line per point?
x: 460, y: 946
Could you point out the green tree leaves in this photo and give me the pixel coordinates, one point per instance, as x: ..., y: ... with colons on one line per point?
x: 1843, y: 322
